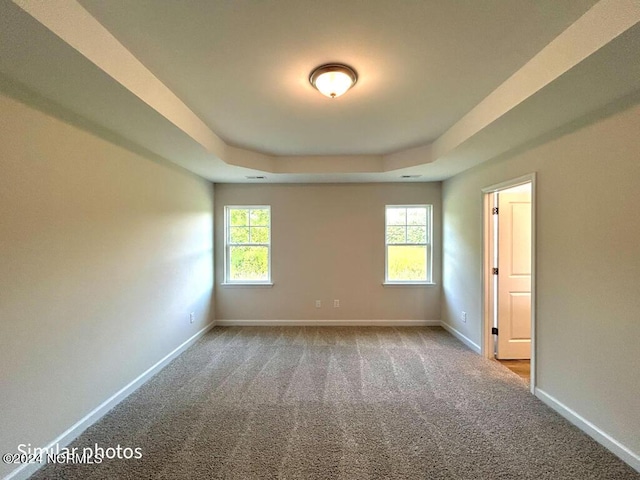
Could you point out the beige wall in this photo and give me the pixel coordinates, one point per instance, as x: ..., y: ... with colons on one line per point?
x: 327, y: 243
x: 588, y: 266
x: 104, y: 255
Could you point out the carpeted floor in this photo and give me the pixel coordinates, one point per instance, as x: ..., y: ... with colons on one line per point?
x: 339, y: 403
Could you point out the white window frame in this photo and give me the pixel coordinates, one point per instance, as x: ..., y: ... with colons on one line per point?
x: 428, y: 245
x: 228, y: 244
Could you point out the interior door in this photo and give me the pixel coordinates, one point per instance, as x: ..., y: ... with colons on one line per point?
x: 514, y: 275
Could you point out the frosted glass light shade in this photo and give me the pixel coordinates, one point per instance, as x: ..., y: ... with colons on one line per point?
x: 333, y: 80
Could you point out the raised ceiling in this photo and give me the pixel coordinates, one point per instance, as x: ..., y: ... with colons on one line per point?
x: 222, y: 89
x: 243, y: 66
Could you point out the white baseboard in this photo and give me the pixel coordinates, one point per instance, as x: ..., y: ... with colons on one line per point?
x: 328, y: 323
x: 28, y: 469
x: 603, y: 438
x: 463, y: 338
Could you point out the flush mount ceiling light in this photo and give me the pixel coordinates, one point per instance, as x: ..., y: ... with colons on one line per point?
x: 333, y: 79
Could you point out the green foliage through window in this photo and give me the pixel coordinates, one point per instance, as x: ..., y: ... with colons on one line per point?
x: 408, y: 239
x: 406, y: 263
x: 248, y: 263
x: 248, y: 244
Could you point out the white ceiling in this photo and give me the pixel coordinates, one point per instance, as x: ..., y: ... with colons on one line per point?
x: 221, y: 88
x: 243, y: 66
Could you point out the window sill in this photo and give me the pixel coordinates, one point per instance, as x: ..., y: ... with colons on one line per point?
x: 409, y: 284
x: 247, y: 284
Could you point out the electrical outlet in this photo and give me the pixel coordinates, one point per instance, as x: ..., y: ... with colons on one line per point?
x: 464, y: 317
x: 192, y: 317
x: 318, y: 303
x: 336, y: 303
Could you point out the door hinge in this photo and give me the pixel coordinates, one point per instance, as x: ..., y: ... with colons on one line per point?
x: 495, y: 210
x: 494, y: 331
x: 495, y: 270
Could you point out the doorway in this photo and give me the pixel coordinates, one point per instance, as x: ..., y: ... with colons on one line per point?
x: 509, y: 275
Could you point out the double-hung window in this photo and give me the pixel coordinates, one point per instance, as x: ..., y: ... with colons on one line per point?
x: 408, y: 244
x: 248, y: 244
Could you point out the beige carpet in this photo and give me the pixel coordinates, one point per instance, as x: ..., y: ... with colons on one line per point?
x: 339, y: 403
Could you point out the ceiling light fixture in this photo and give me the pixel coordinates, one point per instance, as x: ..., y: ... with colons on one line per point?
x: 333, y: 79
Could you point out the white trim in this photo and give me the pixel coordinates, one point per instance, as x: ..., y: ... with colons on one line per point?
x: 328, y: 323
x: 488, y: 290
x: 621, y: 451
x: 487, y: 321
x: 409, y: 284
x: 65, y: 438
x: 463, y: 338
x: 246, y: 284
x: 529, y: 178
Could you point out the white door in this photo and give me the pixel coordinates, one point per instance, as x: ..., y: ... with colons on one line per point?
x: 514, y: 274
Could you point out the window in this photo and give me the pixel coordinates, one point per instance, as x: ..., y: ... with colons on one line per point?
x: 248, y: 244
x: 408, y: 244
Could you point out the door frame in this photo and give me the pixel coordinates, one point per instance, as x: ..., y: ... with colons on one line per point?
x: 487, y: 346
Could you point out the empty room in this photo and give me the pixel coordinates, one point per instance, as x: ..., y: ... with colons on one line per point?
x: 381, y: 239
